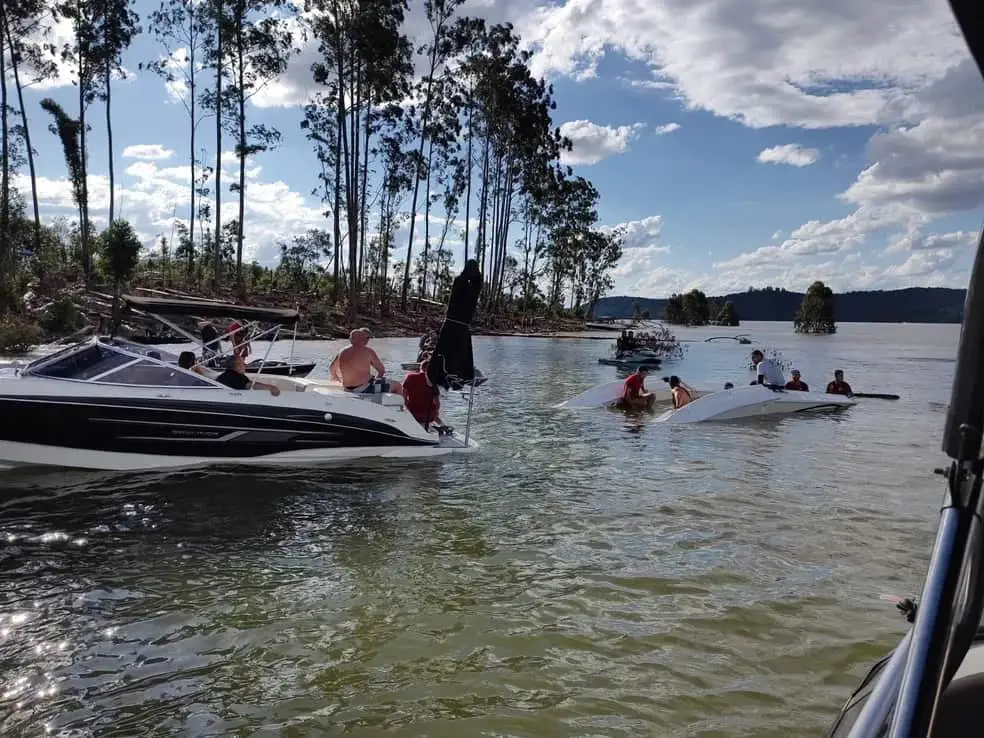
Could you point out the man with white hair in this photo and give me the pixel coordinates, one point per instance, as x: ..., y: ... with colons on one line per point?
x: 354, y: 364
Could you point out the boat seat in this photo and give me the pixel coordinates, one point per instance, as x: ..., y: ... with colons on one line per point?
x: 961, y: 710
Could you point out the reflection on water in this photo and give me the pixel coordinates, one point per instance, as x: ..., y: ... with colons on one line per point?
x: 588, y: 573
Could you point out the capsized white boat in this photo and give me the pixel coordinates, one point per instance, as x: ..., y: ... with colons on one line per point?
x: 754, y: 401
x: 609, y: 393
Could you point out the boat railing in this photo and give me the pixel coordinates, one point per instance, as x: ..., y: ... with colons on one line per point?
x: 210, y: 355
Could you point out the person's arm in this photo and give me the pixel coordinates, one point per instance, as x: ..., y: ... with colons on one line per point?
x: 333, y: 368
x: 376, y: 363
x: 272, y: 388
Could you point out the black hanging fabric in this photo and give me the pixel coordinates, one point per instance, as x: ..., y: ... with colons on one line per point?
x: 452, y: 365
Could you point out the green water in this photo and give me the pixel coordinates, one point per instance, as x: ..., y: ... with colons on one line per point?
x: 584, y: 574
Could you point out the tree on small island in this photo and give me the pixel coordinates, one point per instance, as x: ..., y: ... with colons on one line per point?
x: 727, y: 315
x: 691, y: 308
x: 816, y: 313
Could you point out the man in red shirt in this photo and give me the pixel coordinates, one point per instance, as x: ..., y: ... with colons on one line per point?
x: 796, y: 383
x: 634, y: 389
x: 839, y: 386
x: 421, y: 398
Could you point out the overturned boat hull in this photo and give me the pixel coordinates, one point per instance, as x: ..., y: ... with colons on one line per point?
x: 754, y: 401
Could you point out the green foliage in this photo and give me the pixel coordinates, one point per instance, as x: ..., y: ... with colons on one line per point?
x: 120, y: 249
x: 727, y: 315
x: 17, y: 334
x: 691, y: 308
x: 62, y: 316
x: 816, y: 313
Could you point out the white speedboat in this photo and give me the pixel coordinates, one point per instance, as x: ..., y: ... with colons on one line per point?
x: 96, y: 405
x: 754, y: 401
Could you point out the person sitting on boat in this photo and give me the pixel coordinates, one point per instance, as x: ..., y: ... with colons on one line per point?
x: 186, y: 360
x: 766, y: 371
x: 235, y: 378
x: 421, y: 398
x: 796, y: 383
x: 839, y: 386
x: 634, y: 389
x: 354, y: 364
x: 682, y: 394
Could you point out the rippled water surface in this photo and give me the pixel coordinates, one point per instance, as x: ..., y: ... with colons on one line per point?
x: 585, y: 574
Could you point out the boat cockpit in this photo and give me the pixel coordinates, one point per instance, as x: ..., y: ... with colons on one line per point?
x: 107, y: 363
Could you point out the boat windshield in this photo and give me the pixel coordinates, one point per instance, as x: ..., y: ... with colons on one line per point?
x: 98, y: 362
x: 142, y: 350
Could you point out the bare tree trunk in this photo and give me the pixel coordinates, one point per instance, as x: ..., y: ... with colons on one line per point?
x: 192, y: 109
x: 424, y: 123
x: 217, y: 256
x: 109, y: 139
x: 363, y: 204
x: 241, y: 73
x: 84, y: 205
x: 427, y: 211
x: 27, y: 137
x: 6, y: 248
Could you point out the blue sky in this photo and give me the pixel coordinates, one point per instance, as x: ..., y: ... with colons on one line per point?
x: 738, y: 143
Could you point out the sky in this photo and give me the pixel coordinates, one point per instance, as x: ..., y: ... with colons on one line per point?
x: 737, y: 143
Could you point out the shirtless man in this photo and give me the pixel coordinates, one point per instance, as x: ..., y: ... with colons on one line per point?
x: 353, y: 364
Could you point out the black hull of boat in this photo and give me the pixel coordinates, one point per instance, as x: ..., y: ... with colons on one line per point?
x: 168, y: 427
x: 277, y: 368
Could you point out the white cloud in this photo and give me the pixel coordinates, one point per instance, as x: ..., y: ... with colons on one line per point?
x: 150, y: 152
x: 916, y: 241
x: 667, y: 128
x: 792, y: 154
x: 593, y: 143
x: 812, y: 65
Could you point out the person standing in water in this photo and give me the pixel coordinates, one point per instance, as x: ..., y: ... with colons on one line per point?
x: 839, y: 386
x: 796, y: 383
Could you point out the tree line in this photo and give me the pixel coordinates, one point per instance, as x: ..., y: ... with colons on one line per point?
x: 694, y: 308
x: 402, y: 160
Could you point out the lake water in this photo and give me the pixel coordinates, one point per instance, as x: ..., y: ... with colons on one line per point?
x: 585, y: 574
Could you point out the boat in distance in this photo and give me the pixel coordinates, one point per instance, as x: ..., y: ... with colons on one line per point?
x: 97, y: 405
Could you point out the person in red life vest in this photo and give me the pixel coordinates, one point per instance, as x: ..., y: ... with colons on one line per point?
x: 240, y: 346
x: 634, y: 390
x: 839, y: 386
x: 421, y: 398
x: 796, y: 383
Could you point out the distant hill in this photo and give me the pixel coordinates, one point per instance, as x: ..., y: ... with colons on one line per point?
x: 911, y: 305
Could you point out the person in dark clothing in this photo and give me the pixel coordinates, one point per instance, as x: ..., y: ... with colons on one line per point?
x: 839, y: 386
x: 210, y: 342
x: 452, y: 365
x: 235, y: 378
x: 796, y: 383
